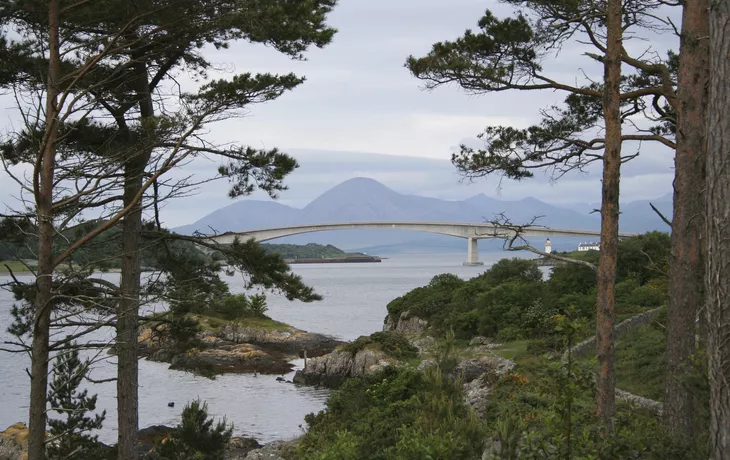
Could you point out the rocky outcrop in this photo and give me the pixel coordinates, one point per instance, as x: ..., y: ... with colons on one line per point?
x: 469, y: 369
x: 232, y: 358
x: 273, y: 451
x: 426, y: 344
x: 13, y: 442
x: 405, y: 323
x: 238, y: 348
x: 239, y: 448
x: 472, y: 368
x: 333, y: 369
x: 292, y: 340
x: 478, y: 390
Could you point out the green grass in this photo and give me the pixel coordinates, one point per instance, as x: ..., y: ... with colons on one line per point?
x: 213, y: 323
x: 512, y: 350
x: 15, y: 265
x: 640, y: 362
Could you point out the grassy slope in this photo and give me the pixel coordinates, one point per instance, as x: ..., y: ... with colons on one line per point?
x: 14, y: 265
x: 212, y: 323
x: 640, y: 362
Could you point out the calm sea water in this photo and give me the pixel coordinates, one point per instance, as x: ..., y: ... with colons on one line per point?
x: 355, y: 299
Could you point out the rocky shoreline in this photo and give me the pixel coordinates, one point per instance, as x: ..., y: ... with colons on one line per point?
x: 238, y: 348
x: 14, y: 445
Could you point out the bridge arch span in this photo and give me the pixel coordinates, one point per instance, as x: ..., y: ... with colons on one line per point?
x: 470, y: 231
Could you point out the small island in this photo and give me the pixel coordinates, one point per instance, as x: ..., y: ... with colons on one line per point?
x: 318, y: 254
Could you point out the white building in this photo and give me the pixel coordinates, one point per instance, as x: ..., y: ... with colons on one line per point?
x: 589, y: 246
x: 548, y: 246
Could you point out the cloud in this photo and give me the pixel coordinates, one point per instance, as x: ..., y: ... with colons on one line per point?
x: 358, y: 98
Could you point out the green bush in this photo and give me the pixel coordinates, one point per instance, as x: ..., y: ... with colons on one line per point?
x: 398, y: 413
x: 548, y: 344
x: 647, y: 296
x: 393, y: 344
x: 511, y: 301
x: 195, y: 438
x: 241, y: 306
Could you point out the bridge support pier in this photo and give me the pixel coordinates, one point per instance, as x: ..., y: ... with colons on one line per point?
x: 472, y: 253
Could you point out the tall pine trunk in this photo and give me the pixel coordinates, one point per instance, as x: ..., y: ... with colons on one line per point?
x: 43, y: 188
x: 686, y: 266
x: 718, y: 228
x: 606, y: 397
x: 128, y: 314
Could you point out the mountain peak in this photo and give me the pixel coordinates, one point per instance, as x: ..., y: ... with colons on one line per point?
x: 360, y: 183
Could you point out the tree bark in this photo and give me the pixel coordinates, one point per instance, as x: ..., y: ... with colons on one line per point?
x: 606, y: 275
x: 43, y: 189
x: 686, y: 266
x: 128, y: 314
x: 718, y: 228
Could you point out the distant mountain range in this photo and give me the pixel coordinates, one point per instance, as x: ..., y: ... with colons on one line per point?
x: 363, y: 199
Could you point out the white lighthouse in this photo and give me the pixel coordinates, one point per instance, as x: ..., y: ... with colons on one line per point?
x: 548, y: 246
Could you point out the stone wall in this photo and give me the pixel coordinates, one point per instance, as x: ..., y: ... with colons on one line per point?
x: 588, y: 346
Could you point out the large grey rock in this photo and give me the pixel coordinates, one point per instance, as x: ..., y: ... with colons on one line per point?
x: 406, y: 323
x: 476, y: 394
x: 239, y: 448
x: 477, y: 390
x: 479, y: 340
x: 425, y: 344
x: 333, y: 369
x: 271, y: 451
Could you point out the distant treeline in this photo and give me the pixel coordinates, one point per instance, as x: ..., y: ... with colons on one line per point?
x: 309, y: 251
x: 103, y: 252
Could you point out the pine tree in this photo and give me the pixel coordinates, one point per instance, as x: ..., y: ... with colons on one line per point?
x: 69, y: 435
x: 196, y: 437
x: 718, y: 228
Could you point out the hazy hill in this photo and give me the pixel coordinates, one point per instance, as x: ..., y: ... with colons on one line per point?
x: 362, y: 199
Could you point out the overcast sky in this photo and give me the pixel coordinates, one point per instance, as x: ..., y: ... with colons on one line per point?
x: 359, y: 100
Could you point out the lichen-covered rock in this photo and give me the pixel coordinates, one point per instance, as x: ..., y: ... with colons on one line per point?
x: 476, y: 394
x: 406, y: 323
x: 333, y: 369
x: 14, y: 442
x: 425, y: 344
x: 477, y: 390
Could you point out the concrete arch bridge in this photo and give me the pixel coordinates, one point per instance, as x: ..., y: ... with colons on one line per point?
x: 472, y: 232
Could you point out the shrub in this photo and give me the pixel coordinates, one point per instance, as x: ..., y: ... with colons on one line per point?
x: 195, y: 438
x: 71, y: 432
x: 393, y: 344
x: 398, y: 413
x: 241, y: 306
x: 510, y: 333
x: 548, y: 344
x: 648, y: 296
